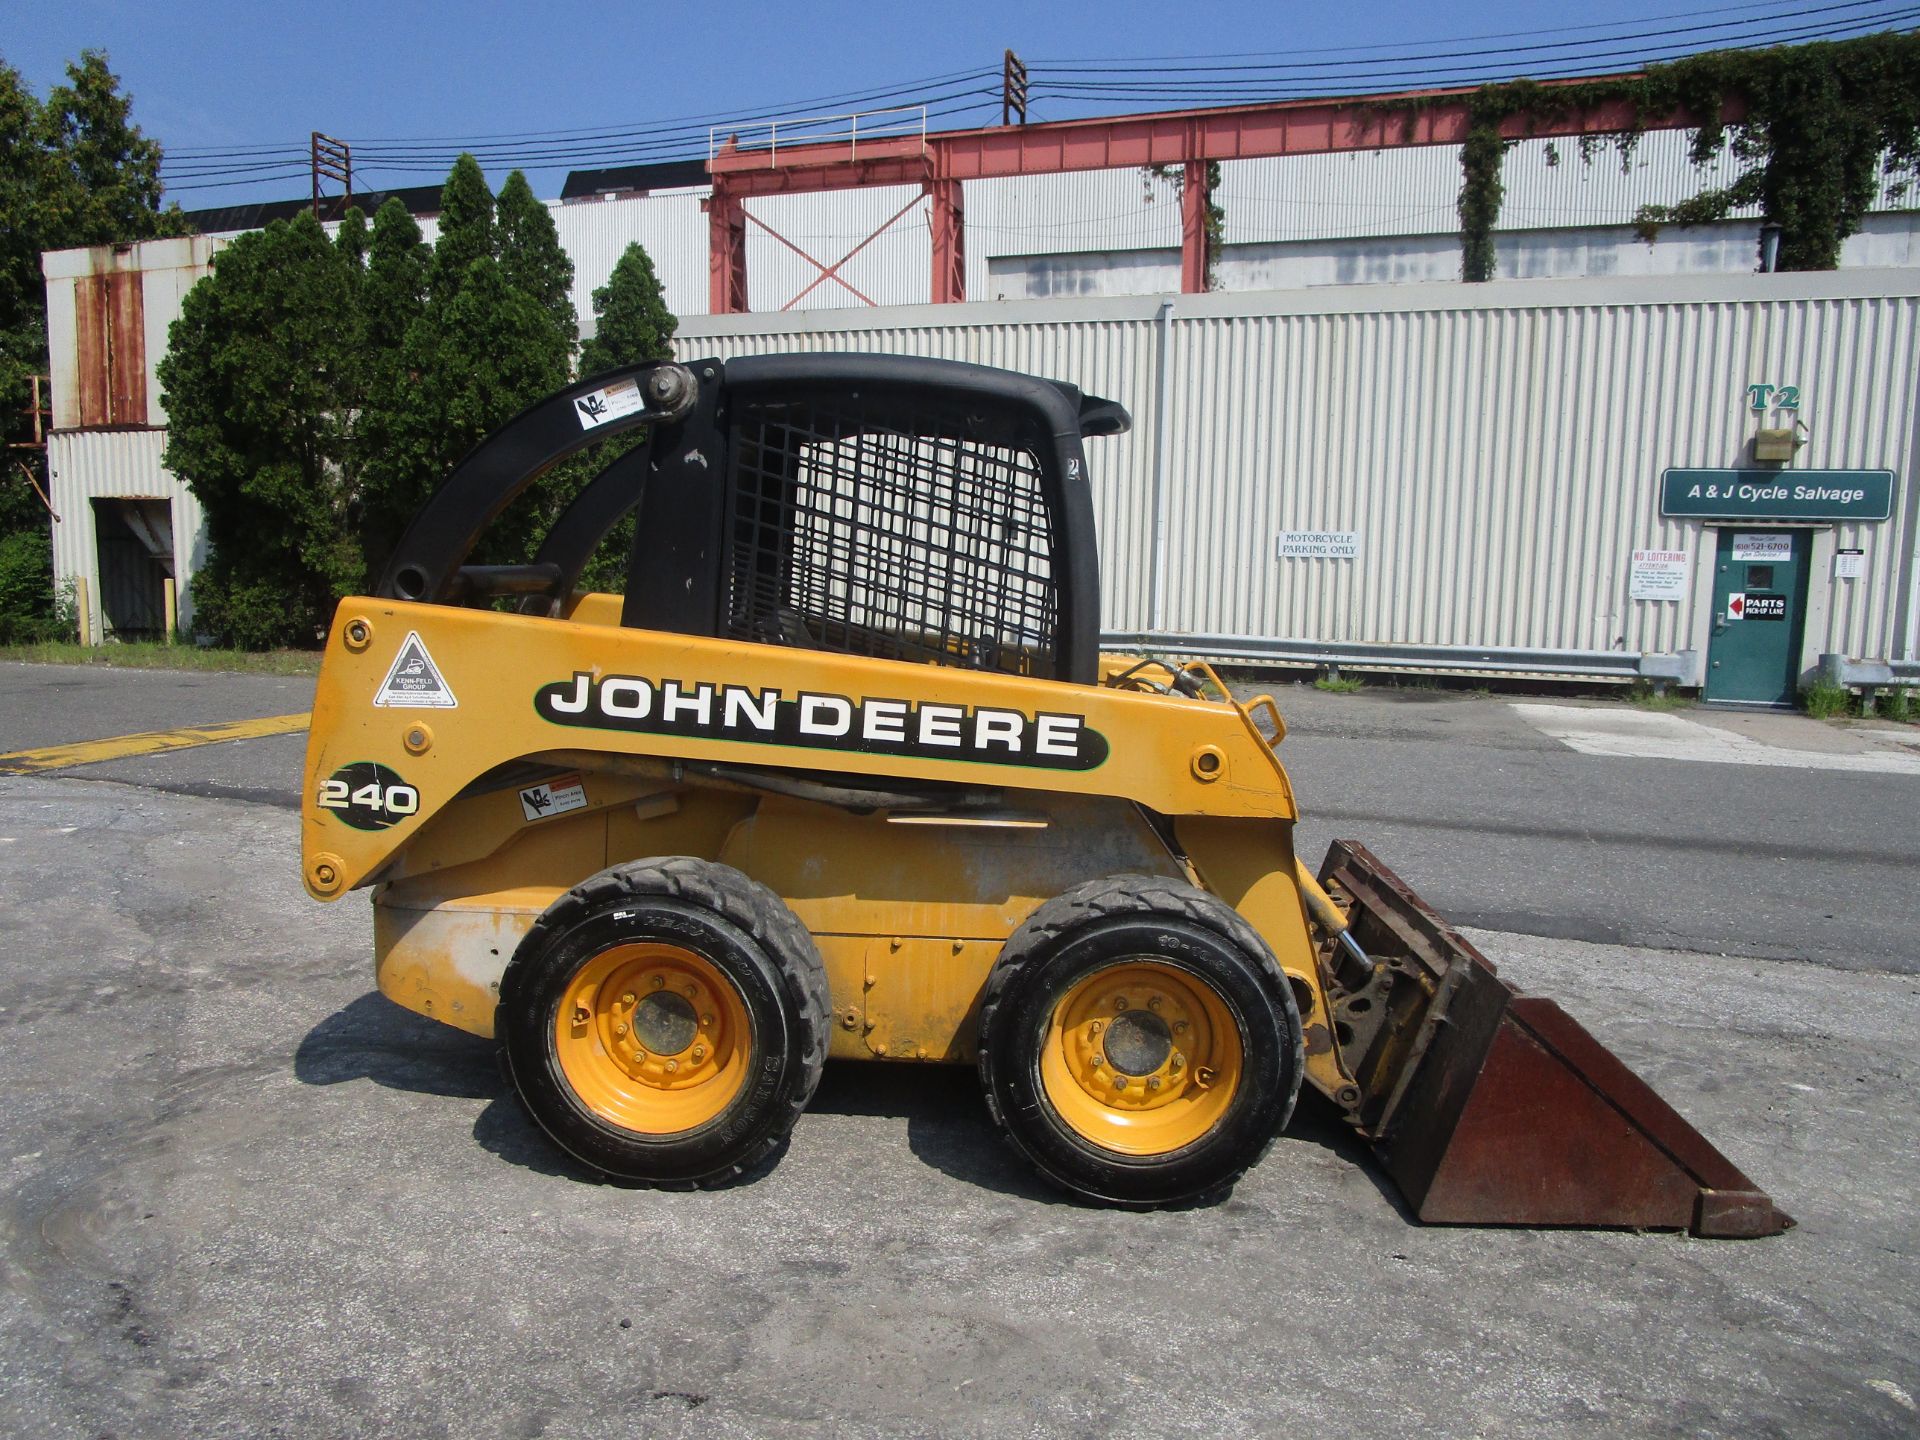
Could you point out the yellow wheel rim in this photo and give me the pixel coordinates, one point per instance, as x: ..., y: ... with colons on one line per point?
x: 1141, y: 1058
x: 653, y: 1038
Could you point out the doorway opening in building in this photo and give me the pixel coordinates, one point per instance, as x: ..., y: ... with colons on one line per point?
x: 133, y: 538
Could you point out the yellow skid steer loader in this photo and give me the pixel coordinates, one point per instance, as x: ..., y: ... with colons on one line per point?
x: 843, y: 774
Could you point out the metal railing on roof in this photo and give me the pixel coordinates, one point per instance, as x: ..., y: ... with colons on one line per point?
x: 901, y: 122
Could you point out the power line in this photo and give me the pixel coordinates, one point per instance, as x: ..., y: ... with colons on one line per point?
x: 1078, y: 83
x: 1788, y: 12
x: 1587, y: 54
x: 595, y: 132
x: 1304, y: 86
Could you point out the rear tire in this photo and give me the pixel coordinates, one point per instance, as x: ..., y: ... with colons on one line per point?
x: 665, y: 1022
x: 1138, y: 1043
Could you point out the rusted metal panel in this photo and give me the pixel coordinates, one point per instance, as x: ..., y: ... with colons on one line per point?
x: 126, y: 349
x: 91, y: 349
x: 111, y: 341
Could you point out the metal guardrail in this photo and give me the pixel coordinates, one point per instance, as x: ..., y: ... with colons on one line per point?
x: 910, y: 122
x: 1575, y: 664
x: 1869, y: 675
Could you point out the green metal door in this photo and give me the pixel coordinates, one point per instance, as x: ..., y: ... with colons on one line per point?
x: 1759, y: 611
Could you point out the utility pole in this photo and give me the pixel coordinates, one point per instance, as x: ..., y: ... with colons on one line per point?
x: 1013, y: 89
x: 332, y: 160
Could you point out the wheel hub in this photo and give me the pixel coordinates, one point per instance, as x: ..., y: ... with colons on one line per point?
x: 665, y: 1023
x: 1139, y: 1042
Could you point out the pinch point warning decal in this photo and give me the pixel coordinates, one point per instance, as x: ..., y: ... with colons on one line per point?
x: 555, y: 797
x: 414, y: 682
x: 598, y: 407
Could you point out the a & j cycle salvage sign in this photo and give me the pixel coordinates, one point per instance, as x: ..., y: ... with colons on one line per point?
x: 1777, y: 494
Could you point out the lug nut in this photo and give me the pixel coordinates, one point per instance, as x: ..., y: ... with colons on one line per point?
x: 621, y: 1028
x: 1177, y: 1061
x: 699, y: 1052
x: 706, y: 1021
x: 672, y: 1065
x: 1119, y: 1003
x: 692, y: 990
x: 657, y: 981
x: 1179, y: 1027
x: 627, y: 999
x: 1094, y: 1029
x: 1099, y: 1060
x: 581, y: 1015
x: 1154, y: 1003
x: 1119, y: 1082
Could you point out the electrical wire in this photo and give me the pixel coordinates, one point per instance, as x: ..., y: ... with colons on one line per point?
x: 1786, y: 10
x: 1097, y: 85
x: 1393, y: 71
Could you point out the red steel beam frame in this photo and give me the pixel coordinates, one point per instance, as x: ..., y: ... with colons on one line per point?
x: 1188, y: 138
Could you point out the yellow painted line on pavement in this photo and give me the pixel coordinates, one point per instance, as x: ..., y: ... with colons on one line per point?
x: 149, y: 742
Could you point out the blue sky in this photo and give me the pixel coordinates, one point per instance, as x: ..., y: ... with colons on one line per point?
x: 222, y: 75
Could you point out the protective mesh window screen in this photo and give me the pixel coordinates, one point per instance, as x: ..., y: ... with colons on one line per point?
x: 891, y: 539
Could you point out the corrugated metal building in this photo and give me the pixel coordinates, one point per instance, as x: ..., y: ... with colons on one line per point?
x: 1493, y: 453
x: 1486, y: 449
x: 124, y: 525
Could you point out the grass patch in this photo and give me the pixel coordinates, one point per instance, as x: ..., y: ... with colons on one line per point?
x: 143, y: 656
x: 1824, y: 699
x: 1643, y: 694
x: 1339, y: 684
x: 1901, y: 704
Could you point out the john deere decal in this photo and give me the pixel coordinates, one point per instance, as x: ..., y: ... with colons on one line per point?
x: 869, y: 724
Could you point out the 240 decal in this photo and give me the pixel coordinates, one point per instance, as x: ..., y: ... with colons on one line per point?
x: 368, y: 796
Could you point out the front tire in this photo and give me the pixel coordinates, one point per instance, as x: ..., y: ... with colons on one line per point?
x: 1138, y: 1043
x: 665, y: 1022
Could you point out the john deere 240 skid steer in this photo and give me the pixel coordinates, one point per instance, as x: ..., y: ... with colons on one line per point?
x: 844, y: 775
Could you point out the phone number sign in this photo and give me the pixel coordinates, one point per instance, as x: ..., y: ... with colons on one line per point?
x: 1777, y: 494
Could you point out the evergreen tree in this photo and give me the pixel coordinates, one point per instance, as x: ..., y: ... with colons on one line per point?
x: 466, y: 228
x: 392, y: 297
x: 634, y: 323
x: 530, y: 253
x: 473, y: 361
x: 252, y: 384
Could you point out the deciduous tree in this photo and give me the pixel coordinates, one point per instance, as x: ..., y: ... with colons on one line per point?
x: 74, y: 170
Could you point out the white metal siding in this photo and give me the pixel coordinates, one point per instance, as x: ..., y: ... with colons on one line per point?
x: 672, y: 230
x: 85, y: 464
x: 1498, y: 449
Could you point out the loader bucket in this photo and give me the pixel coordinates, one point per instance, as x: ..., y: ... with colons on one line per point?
x: 1489, y: 1107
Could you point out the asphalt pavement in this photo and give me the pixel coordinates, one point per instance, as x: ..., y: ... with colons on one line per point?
x: 241, y: 1194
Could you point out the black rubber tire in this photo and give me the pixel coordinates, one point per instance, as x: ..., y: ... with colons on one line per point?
x: 737, y: 925
x: 1102, y: 923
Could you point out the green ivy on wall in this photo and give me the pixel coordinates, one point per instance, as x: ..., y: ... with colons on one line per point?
x: 1820, y: 121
